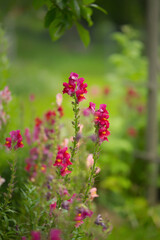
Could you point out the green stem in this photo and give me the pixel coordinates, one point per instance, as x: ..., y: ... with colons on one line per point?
x: 76, y: 127
x: 10, y: 188
x: 92, y: 173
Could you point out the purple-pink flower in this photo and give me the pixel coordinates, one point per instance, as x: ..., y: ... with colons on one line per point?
x: 55, y: 234
x: 15, y: 141
x: 36, y: 235
x: 76, y: 86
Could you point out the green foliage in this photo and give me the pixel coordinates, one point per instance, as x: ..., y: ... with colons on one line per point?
x: 4, y: 63
x: 62, y: 15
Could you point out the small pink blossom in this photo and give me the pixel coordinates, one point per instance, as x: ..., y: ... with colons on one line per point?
x: 90, y: 161
x: 59, y: 99
x: 2, y: 180
x: 32, y: 97
x: 93, y: 193
x: 97, y: 170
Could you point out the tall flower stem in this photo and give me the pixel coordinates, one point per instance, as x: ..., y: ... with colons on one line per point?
x: 11, y: 184
x: 76, y: 127
x: 92, y: 173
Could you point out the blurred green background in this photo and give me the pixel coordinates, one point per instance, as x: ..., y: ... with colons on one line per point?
x: 114, y: 63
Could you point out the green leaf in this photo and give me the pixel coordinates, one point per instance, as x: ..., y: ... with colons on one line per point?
x: 87, y: 2
x: 50, y: 16
x: 76, y: 8
x: 87, y: 13
x: 99, y: 8
x: 84, y: 34
x: 57, y: 29
x: 39, y: 3
x: 60, y: 4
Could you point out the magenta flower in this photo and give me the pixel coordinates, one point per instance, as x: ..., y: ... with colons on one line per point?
x: 8, y: 143
x: 92, y: 107
x: 55, y: 234
x: 101, y: 121
x: 64, y: 171
x: 69, y: 87
x: 15, y: 139
x: 16, y: 136
x: 50, y: 116
x: 81, y: 215
x: 63, y: 157
x: 36, y: 235
x: 52, y: 207
x: 103, y: 134
x: 75, y: 86
x: 73, y: 76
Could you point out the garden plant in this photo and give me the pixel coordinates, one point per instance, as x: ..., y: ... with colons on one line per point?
x: 57, y: 199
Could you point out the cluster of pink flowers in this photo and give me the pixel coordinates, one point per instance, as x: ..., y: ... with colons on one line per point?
x: 5, y: 98
x: 75, y: 86
x: 63, y: 161
x: 15, y: 141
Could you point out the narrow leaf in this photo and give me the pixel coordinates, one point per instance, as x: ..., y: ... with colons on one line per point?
x: 99, y: 8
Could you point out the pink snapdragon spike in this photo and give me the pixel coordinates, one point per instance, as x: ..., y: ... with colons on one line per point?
x: 101, y: 121
x: 93, y: 193
x: 28, y: 136
x: 55, y: 234
x: 15, y: 141
x: 5, y: 95
x: 76, y: 86
x: 63, y: 161
x: 36, y: 235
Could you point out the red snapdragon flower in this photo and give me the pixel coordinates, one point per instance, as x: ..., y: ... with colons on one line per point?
x: 60, y: 111
x: 64, y: 170
x: 75, y: 86
x: 69, y: 87
x: 50, y: 116
x: 38, y: 122
x: 81, y: 215
x: 8, y: 142
x: 63, y: 160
